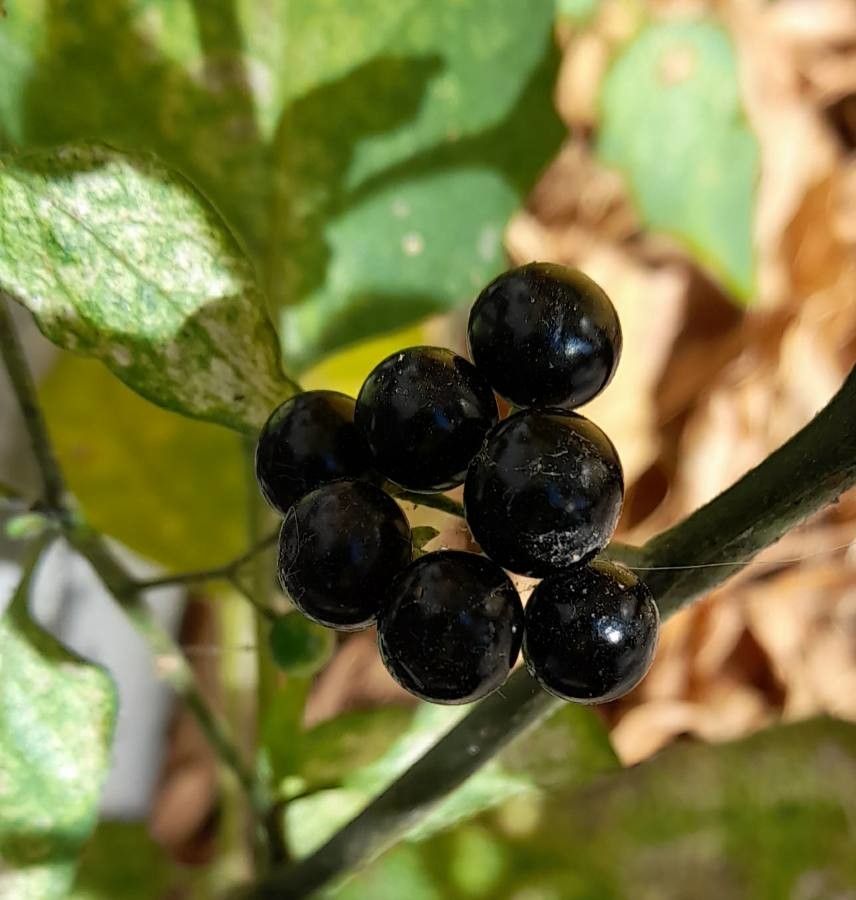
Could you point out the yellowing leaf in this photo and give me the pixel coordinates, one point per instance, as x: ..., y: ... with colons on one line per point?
x: 169, y: 488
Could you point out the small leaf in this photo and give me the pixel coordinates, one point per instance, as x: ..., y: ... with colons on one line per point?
x: 422, y: 535
x: 300, y: 647
x: 56, y: 723
x: 120, y: 258
x: 673, y: 122
x: 26, y: 526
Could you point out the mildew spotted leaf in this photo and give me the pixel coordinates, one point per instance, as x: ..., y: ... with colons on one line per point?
x: 120, y: 258
x: 57, y: 714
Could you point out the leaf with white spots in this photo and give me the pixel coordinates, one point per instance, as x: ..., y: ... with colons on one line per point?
x: 120, y: 258
x: 56, y: 724
x: 369, y: 154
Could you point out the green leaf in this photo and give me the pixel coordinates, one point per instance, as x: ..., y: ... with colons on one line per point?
x: 672, y: 121
x: 768, y: 816
x: 122, y: 861
x: 370, y: 174
x: 300, y: 647
x: 119, y: 258
x: 422, y: 535
x: 19, y: 38
x: 577, y: 12
x: 402, y: 158
x: 573, y: 751
x: 169, y: 488
x: 56, y: 723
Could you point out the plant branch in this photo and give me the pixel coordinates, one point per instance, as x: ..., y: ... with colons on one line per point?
x: 227, y: 572
x: 25, y: 390
x: 808, y: 472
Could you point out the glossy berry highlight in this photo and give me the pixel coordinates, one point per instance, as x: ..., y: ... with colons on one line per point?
x: 451, y: 627
x: 545, y: 491
x: 545, y: 335
x: 308, y: 441
x: 339, y: 548
x: 590, y: 633
x: 424, y: 413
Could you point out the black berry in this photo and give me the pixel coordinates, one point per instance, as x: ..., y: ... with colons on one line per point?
x: 451, y: 627
x: 590, y: 633
x: 308, y: 441
x: 339, y: 548
x: 424, y: 413
x: 545, y: 491
x: 544, y: 335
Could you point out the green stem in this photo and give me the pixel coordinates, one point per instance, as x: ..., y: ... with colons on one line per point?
x: 170, y: 662
x: 808, y: 472
x: 25, y: 391
x: 229, y: 571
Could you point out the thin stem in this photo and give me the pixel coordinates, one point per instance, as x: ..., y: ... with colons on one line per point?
x: 434, y: 501
x: 170, y: 662
x: 25, y: 391
x: 808, y: 472
x: 226, y: 572
x: 267, y: 673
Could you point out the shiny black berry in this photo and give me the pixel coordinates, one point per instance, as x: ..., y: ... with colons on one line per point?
x: 544, y: 335
x: 451, y: 627
x: 424, y: 413
x: 545, y: 491
x: 308, y: 441
x: 590, y: 633
x: 339, y: 548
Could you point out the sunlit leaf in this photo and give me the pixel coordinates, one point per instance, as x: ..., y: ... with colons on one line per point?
x: 120, y: 258
x: 672, y: 120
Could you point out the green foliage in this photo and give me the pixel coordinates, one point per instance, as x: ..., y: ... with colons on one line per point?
x: 421, y: 536
x: 369, y: 173
x: 673, y: 122
x: 573, y: 750
x: 577, y: 12
x: 300, y: 647
x: 56, y: 723
x: 119, y: 258
x: 122, y: 861
x: 169, y: 488
x: 759, y: 818
x: 26, y: 526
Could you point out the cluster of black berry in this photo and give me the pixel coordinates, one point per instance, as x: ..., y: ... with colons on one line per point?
x: 543, y: 490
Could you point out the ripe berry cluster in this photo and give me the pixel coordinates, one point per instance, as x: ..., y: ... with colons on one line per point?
x: 543, y: 490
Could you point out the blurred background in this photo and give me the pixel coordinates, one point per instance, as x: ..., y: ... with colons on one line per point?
x: 380, y: 162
